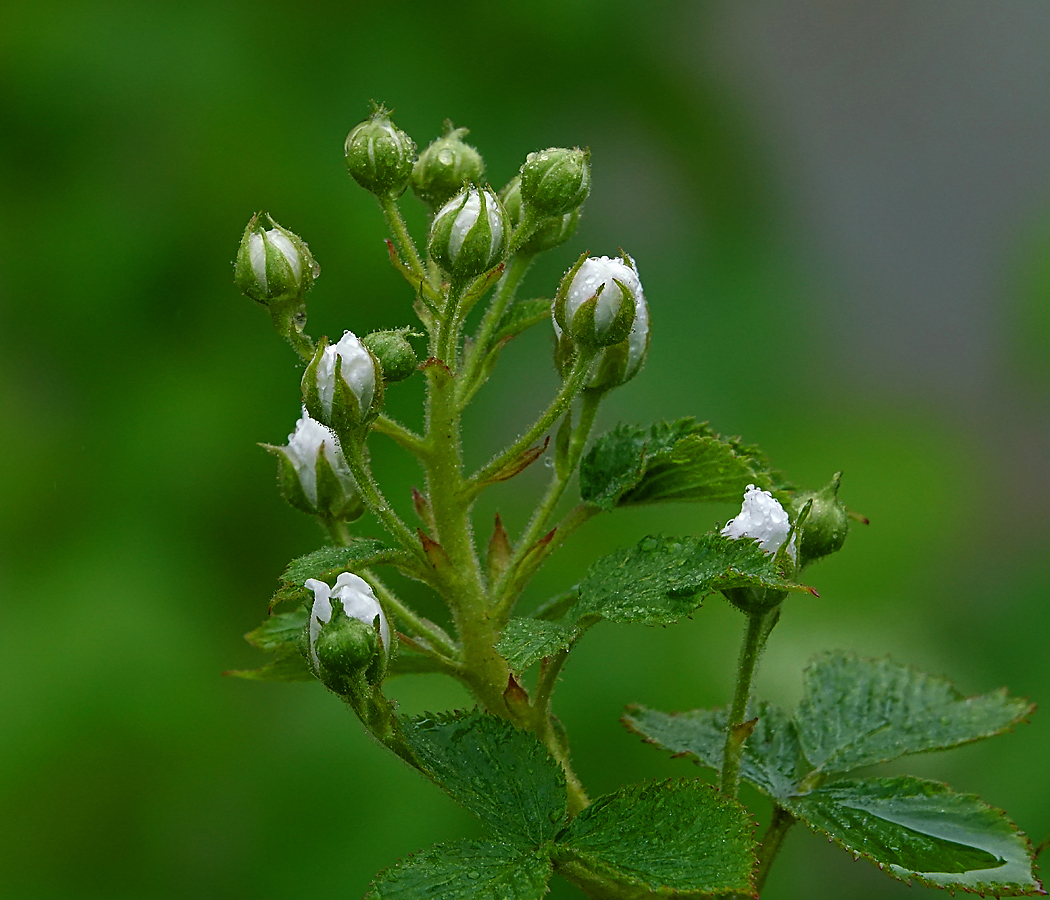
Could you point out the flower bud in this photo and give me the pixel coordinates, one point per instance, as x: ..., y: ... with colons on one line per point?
x: 549, y: 233
x: 469, y: 234
x: 555, y: 181
x: 763, y: 519
x: 380, y: 155
x: 343, y: 385
x: 273, y: 264
x: 601, y: 303
x: 396, y: 357
x: 445, y: 167
x: 313, y: 474
x: 824, y: 531
x: 338, y: 645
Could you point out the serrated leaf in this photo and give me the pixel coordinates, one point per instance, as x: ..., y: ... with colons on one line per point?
x: 327, y: 564
x: 502, y: 775
x: 465, y: 870
x: 923, y: 830
x: 771, y: 754
x: 289, y: 666
x: 670, y: 461
x: 676, y: 835
x: 520, y: 317
x: 279, y: 631
x: 858, y: 712
x: 662, y: 579
x: 526, y: 641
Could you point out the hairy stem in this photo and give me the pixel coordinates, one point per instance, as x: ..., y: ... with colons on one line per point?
x: 377, y: 503
x: 772, y: 840
x: 407, y: 438
x: 405, y: 244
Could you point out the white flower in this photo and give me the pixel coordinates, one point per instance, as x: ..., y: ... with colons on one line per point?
x: 276, y: 238
x: 309, y: 438
x: 763, y: 519
x: 466, y: 219
x: 357, y: 370
x: 358, y: 602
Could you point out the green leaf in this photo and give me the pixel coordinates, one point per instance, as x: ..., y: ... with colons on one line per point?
x: 676, y: 835
x: 771, y: 754
x: 857, y: 712
x: 327, y: 564
x: 279, y: 631
x: 502, y: 775
x: 677, y: 461
x: 465, y: 870
x: 289, y: 666
x: 662, y: 579
x: 520, y: 317
x: 923, y: 830
x: 525, y: 641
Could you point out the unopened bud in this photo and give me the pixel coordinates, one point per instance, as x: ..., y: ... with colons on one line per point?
x: 469, y: 234
x: 380, y: 155
x: 273, y: 264
x: 549, y: 233
x: 825, y: 530
x: 343, y: 384
x: 555, y: 181
x: 395, y: 354
x: 762, y: 519
x: 347, y: 628
x: 445, y: 167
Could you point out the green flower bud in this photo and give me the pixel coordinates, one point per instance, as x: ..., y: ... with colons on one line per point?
x: 348, y: 632
x: 549, y: 233
x: 380, y: 155
x: 825, y: 530
x: 555, y: 181
x: 394, y: 352
x: 469, y: 234
x: 445, y: 167
x: 273, y: 265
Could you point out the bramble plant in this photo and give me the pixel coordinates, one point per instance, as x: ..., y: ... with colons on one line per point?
x: 508, y: 760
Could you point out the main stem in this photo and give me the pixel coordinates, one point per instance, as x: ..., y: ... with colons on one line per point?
x: 736, y: 731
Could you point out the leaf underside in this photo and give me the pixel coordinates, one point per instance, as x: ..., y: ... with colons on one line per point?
x: 465, y: 870
x: 278, y: 635
x: 502, y: 775
x: 327, y: 564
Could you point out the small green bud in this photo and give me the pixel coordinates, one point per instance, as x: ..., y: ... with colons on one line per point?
x: 549, y: 233
x: 380, y: 155
x: 273, y: 265
x: 348, y: 634
x: 826, y: 528
x: 345, y: 645
x: 469, y: 234
x: 445, y: 167
x: 394, y: 352
x: 555, y: 181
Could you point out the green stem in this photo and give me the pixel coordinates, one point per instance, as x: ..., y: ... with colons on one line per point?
x: 772, y: 840
x: 448, y: 333
x: 419, y: 626
x: 407, y: 438
x: 378, y: 504
x: 736, y: 733
x: 403, y: 238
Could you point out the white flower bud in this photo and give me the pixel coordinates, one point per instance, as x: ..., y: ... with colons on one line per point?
x: 461, y: 241
x: 310, y: 439
x: 763, y: 519
x: 257, y: 249
x: 273, y: 264
x: 357, y: 370
x: 358, y: 603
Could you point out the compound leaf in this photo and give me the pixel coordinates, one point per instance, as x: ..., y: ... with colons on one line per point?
x: 923, y: 830
x: 771, y: 754
x: 465, y: 870
x: 502, y: 775
x: 857, y: 712
x: 671, y: 836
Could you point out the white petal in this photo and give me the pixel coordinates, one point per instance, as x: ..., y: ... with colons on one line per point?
x: 763, y: 519
x: 287, y: 249
x: 257, y: 254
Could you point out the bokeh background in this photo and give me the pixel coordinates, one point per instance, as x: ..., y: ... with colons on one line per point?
x: 841, y: 214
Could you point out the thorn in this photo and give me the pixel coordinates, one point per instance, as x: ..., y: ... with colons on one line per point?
x: 422, y: 506
x: 743, y: 731
x: 433, y: 550
x: 813, y: 591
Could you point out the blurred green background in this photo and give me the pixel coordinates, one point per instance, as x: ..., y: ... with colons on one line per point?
x: 840, y: 213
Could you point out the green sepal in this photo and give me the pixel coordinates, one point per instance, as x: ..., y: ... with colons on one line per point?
x: 327, y: 564
x: 476, y: 254
x: 555, y: 181
x: 335, y: 498
x: 610, y: 370
x: 311, y: 396
x: 379, y: 155
x: 825, y: 530
x: 396, y: 356
x: 550, y: 233
x: 562, y: 295
x: 445, y: 166
x: 502, y: 775
x: 466, y: 870
x: 562, y: 445
x: 678, y: 461
x: 668, y: 837
x: 346, y: 647
x: 288, y: 482
x: 922, y: 830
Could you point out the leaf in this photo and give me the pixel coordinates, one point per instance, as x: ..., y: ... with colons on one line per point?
x: 520, y: 317
x: 921, y: 829
x: 502, y: 775
x: 526, y: 641
x: 465, y: 870
x: 677, y: 461
x: 327, y: 564
x: 771, y: 754
x: 279, y: 631
x: 857, y: 712
x: 662, y: 579
x: 676, y: 835
x: 289, y: 666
